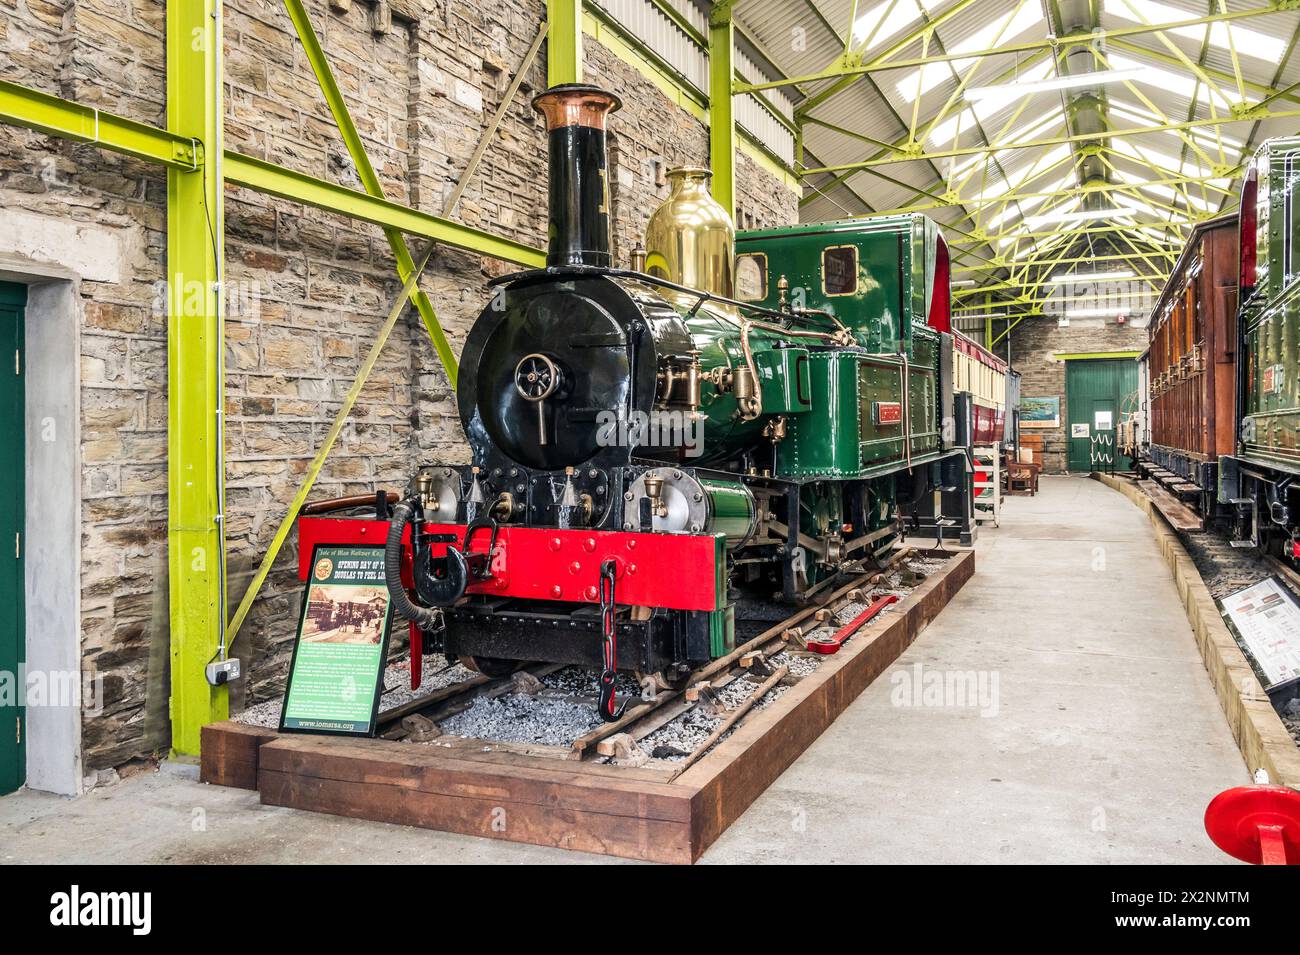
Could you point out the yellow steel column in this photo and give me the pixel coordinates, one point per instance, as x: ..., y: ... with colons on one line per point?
x: 195, y: 465
x: 564, y: 42
x: 722, y: 119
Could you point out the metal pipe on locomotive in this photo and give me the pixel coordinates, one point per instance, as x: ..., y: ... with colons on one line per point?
x: 652, y: 447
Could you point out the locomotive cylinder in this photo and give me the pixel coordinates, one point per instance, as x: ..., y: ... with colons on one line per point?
x: 679, y: 502
x: 578, y: 181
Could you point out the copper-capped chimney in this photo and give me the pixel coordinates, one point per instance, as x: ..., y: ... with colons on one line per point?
x: 578, y: 232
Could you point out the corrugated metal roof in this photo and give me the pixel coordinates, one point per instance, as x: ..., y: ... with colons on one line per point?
x: 1186, y: 75
x: 685, y: 54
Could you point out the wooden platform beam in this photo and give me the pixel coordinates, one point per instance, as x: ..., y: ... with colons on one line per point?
x: 646, y: 813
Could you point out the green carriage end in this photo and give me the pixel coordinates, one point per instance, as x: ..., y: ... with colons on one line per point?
x: 1270, y: 310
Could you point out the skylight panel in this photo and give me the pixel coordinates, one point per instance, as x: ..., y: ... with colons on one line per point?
x: 967, y: 119
x: 1251, y: 43
x: 1142, y: 116
x: 1014, y: 209
x: 932, y: 75
x: 947, y: 131
x: 1025, y: 172
x: 884, y: 21
x: 1182, y: 84
x: 1170, y: 164
x: 1018, y: 207
x: 1167, y: 192
x: 1024, y: 133
x: 1040, y: 163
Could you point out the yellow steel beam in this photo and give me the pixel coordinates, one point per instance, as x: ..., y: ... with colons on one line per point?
x: 196, y: 554
x: 298, y: 187
x: 866, y: 43
x: 1240, y: 116
x: 369, y: 178
x: 980, y: 202
x: 63, y: 118
x: 901, y: 143
x: 1258, y: 89
x: 722, y: 116
x: 963, y: 79
x: 33, y: 109
x: 564, y: 43
x: 1146, y: 101
x: 1076, y: 260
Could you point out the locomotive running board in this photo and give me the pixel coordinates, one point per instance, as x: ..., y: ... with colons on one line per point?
x: 512, y: 793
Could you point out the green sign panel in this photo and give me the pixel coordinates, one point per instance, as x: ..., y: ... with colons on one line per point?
x: 338, y: 662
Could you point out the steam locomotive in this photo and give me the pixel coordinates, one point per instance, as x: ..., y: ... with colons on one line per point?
x: 655, y: 446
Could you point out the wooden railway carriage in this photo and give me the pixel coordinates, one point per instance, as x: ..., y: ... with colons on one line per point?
x: 984, y: 376
x: 1259, y: 479
x: 1192, y: 358
x: 1223, y: 366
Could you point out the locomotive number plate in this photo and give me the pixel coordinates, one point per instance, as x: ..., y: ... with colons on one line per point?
x: 887, y: 412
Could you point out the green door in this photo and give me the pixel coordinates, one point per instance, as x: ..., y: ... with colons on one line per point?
x: 1095, y: 391
x: 12, y: 635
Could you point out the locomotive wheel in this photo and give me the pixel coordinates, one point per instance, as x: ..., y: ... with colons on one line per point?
x: 494, y: 667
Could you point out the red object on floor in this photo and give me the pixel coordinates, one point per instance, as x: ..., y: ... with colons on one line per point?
x: 1256, y: 824
x: 832, y: 644
x: 673, y: 571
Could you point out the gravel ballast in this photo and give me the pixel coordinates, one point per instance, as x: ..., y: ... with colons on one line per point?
x: 565, y: 707
x: 434, y: 675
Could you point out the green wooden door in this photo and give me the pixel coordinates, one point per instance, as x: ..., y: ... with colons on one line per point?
x: 1095, y: 390
x: 12, y: 466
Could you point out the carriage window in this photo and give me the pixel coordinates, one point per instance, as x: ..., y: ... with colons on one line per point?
x: 840, y: 270
x: 751, y: 277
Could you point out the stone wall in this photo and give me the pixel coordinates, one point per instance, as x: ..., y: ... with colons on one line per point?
x: 1036, y: 341
x: 307, y: 290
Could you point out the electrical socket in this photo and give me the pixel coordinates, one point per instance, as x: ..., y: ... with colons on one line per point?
x: 220, y: 672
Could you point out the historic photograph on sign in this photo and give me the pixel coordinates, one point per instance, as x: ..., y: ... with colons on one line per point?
x: 345, y: 614
x: 1040, y: 412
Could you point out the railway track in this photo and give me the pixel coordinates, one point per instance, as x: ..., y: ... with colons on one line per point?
x: 703, y: 693
x: 1226, y: 569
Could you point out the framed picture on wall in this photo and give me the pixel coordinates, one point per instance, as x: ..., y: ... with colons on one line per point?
x: 1040, y: 412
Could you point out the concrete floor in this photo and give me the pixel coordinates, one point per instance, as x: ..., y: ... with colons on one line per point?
x: 1096, y: 739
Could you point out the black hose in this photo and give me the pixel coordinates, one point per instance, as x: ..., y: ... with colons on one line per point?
x: 423, y: 617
